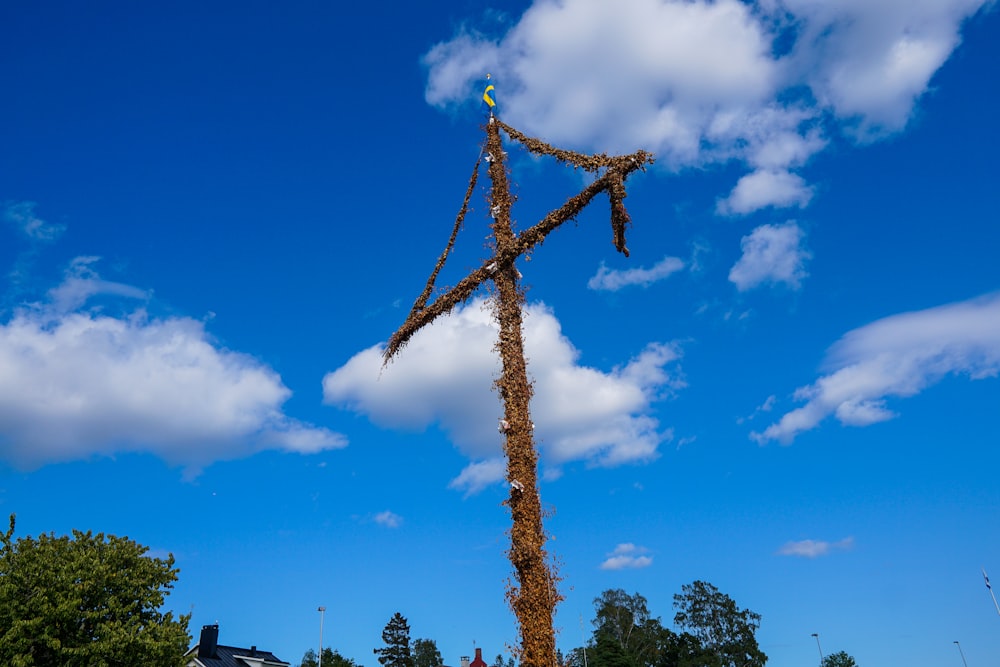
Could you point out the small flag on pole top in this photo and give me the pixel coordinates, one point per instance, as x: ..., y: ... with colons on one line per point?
x: 489, y: 95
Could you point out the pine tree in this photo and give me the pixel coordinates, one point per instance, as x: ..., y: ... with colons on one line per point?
x: 396, y: 636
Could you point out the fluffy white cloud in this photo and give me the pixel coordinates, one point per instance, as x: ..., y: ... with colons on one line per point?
x: 627, y: 556
x: 870, y: 61
x: 74, y: 384
x: 763, y: 188
x: 702, y: 81
x: 477, y: 476
x: 445, y: 374
x: 897, y: 356
x: 389, y: 519
x: 612, y: 281
x: 772, y: 254
x: 667, y: 76
x: 814, y: 548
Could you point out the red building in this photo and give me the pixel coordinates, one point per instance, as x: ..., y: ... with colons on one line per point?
x: 478, y: 662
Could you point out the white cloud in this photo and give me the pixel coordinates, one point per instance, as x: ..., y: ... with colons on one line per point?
x: 814, y: 548
x: 389, y: 519
x: 772, y: 254
x: 764, y: 407
x: 445, y: 374
x: 663, y: 75
x: 478, y: 475
x: 612, y: 281
x: 81, y: 283
x: 763, y: 188
x: 701, y: 81
x: 76, y: 384
x: 22, y: 216
x: 627, y: 556
x: 898, y: 356
x: 870, y: 61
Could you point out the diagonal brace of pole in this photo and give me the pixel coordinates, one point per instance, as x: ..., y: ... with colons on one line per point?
x: 612, y: 181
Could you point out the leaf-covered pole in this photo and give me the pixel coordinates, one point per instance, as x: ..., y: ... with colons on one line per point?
x: 533, y: 597
x: 533, y: 594
x: 612, y: 182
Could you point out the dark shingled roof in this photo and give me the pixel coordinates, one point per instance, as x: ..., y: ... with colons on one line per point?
x: 230, y: 656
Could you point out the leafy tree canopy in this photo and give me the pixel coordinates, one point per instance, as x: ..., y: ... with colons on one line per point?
x: 721, y: 626
x: 509, y: 661
x: 608, y: 652
x: 839, y: 659
x: 684, y: 650
x: 714, y: 632
x: 625, y: 620
x: 331, y: 658
x: 574, y: 658
x: 86, y: 601
x: 426, y: 653
x: 621, y: 616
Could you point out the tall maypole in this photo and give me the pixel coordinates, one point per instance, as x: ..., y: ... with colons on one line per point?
x: 533, y: 594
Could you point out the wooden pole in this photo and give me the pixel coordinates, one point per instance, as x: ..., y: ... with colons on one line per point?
x: 533, y: 596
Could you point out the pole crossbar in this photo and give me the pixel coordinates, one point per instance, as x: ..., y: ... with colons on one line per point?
x: 612, y: 182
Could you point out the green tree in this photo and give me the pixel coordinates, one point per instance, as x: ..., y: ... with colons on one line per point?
x: 575, y: 658
x: 86, y: 601
x: 619, y: 614
x: 331, y: 658
x: 608, y: 652
x: 309, y: 658
x: 839, y: 659
x: 625, y: 620
x: 396, y: 636
x: 723, y: 628
x: 426, y: 653
x: 684, y: 650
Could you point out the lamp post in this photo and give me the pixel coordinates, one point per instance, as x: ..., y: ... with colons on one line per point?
x: 819, y: 648
x: 320, y: 610
x: 961, y: 653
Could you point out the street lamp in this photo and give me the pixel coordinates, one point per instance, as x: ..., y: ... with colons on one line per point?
x: 961, y: 653
x: 820, y: 649
x: 320, y: 610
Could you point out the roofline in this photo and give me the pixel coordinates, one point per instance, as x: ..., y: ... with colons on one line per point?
x: 264, y: 662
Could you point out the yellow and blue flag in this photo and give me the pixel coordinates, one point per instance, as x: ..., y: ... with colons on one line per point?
x: 489, y: 96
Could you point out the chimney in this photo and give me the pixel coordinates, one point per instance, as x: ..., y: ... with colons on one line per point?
x: 253, y: 651
x: 465, y: 661
x: 208, y: 642
x: 478, y: 662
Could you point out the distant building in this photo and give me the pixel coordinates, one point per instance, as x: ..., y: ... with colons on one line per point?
x: 208, y: 652
x: 478, y: 662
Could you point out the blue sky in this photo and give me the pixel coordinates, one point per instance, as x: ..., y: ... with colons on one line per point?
x: 212, y: 216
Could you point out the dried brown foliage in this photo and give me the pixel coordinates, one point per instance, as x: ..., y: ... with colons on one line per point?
x: 533, y: 593
x: 459, y: 219
x: 616, y: 170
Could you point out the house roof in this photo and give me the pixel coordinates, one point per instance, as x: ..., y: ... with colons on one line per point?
x: 233, y: 656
